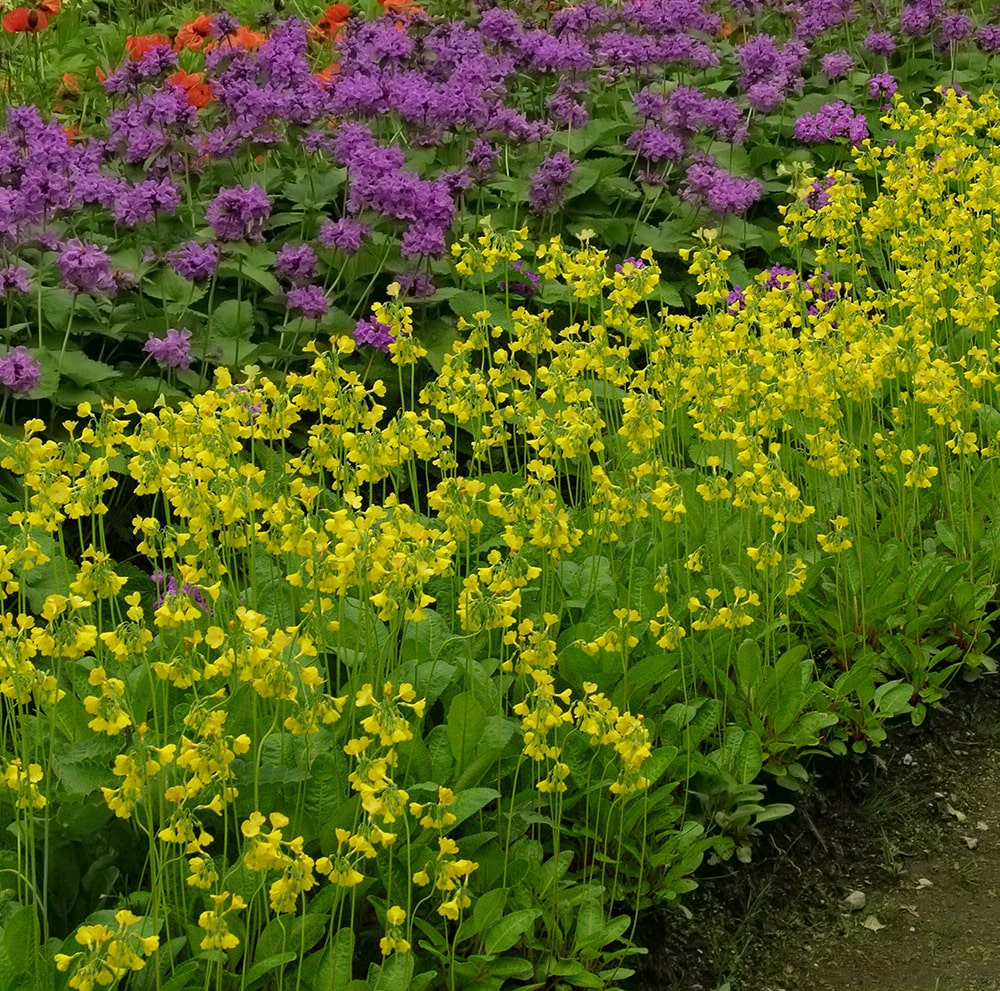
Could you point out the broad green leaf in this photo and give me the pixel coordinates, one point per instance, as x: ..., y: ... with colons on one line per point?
x: 507, y: 932
x: 336, y: 970
x: 466, y: 721
x: 265, y: 966
x: 748, y: 759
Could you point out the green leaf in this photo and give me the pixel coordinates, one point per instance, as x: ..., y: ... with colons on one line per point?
x: 81, y: 369
x: 487, y: 908
x: 748, y: 759
x: 337, y: 968
x: 593, y: 577
x: 232, y: 318
x: 466, y: 721
x: 507, y: 932
x: 265, y: 966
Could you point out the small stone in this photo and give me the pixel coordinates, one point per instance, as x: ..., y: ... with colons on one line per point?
x: 971, y: 842
x: 855, y: 901
x: 872, y: 924
x: 923, y: 882
x: 982, y: 826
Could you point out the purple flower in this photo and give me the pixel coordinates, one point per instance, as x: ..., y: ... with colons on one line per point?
x: 836, y: 65
x: 14, y: 278
x: 955, y: 27
x: 988, y: 38
x: 19, y: 371
x: 550, y: 181
x: 85, y: 267
x: 166, y: 585
x: 918, y: 17
x: 295, y: 262
x: 372, y: 334
x: 414, y: 285
x: 882, y: 86
x: 346, y: 234
x: 238, y: 212
x: 706, y: 183
x: 880, y: 43
x: 833, y: 120
x: 421, y: 239
x: 524, y: 289
x: 193, y: 261
x: 173, y: 350
x: 310, y: 301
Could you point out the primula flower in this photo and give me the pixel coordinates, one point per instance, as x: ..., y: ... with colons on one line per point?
x: 193, y: 261
x: 310, y: 301
x: 372, y: 334
x: 85, y: 267
x: 239, y: 212
x: 14, y: 278
x: 346, y: 235
x: 173, y: 350
x: 25, y: 19
x: 19, y: 371
x: 834, y: 120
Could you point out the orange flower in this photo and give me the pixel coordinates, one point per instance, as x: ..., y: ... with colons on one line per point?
x: 400, y: 7
x: 331, y: 23
x: 199, y: 93
x: 72, y: 133
x: 327, y: 73
x: 193, y: 35
x: 48, y: 6
x: 25, y: 19
x: 242, y: 37
x: 100, y: 73
x: 69, y: 85
x: 138, y: 44
x: 727, y: 29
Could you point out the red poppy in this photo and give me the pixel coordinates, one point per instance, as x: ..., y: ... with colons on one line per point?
x: 70, y: 84
x: 199, y: 93
x: 72, y: 133
x: 193, y: 35
x: 49, y: 6
x: 25, y: 19
x: 242, y: 37
x: 138, y: 44
x: 727, y: 29
x: 331, y: 23
x: 400, y: 7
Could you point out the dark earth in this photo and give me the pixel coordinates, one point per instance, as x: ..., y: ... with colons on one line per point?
x: 912, y: 828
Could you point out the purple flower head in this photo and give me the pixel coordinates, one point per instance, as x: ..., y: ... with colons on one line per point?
x: 372, y: 334
x: 833, y: 120
x: 836, y: 65
x: 19, y: 371
x: 954, y: 28
x: 193, y: 261
x: 819, y: 195
x: 736, y: 301
x: 709, y: 185
x: 525, y: 289
x: 988, y: 38
x: 346, y: 234
x: 919, y: 17
x: 482, y: 160
x: 85, y: 267
x: 880, y: 43
x: 166, y: 585
x: 173, y: 350
x: 423, y: 238
x: 224, y: 24
x: 414, y: 285
x: 238, y: 212
x: 882, y: 87
x: 310, y: 301
x: 549, y: 182
x: 14, y: 278
x: 637, y: 263
x: 295, y: 262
